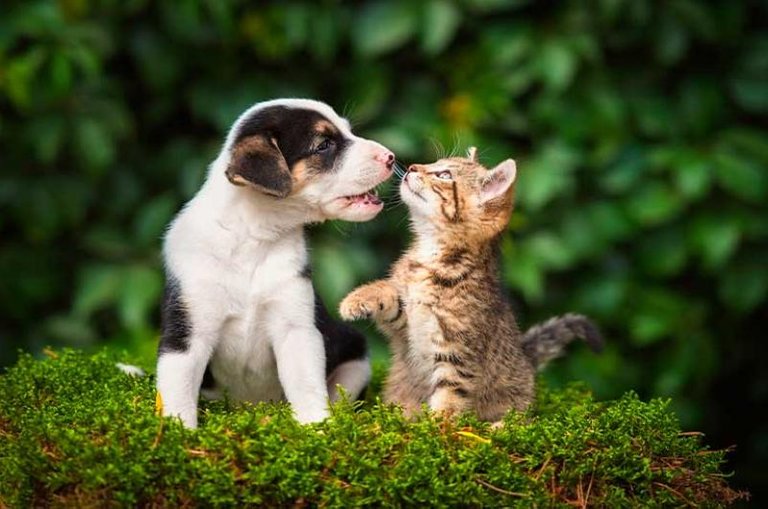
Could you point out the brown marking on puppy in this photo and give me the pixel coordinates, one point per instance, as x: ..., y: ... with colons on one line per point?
x: 323, y: 127
x: 300, y: 175
x: 257, y: 162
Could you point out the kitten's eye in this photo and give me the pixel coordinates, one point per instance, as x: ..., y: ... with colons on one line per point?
x: 444, y: 175
x: 324, y: 145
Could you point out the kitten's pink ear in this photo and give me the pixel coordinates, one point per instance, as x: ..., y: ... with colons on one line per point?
x: 498, y: 181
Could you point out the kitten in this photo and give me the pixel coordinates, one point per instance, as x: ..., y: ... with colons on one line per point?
x: 454, y: 339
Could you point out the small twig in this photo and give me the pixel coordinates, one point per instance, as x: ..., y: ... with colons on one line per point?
x: 541, y: 470
x: 589, y: 488
x: 676, y: 493
x: 499, y: 490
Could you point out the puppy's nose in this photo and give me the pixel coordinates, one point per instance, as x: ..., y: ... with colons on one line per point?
x: 386, y: 157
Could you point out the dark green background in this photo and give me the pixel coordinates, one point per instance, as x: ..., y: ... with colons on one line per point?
x: 639, y: 129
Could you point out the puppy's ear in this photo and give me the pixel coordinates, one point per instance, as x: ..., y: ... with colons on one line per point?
x: 258, y: 162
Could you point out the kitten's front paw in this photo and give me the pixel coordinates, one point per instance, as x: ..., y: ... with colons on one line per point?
x: 374, y: 300
x: 356, y: 306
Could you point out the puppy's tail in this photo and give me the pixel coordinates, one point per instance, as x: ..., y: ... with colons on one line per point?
x: 546, y: 341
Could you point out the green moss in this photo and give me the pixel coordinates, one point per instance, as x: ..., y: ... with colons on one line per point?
x: 76, y: 431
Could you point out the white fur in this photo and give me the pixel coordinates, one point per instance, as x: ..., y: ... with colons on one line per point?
x: 353, y: 376
x: 130, y: 369
x: 237, y: 255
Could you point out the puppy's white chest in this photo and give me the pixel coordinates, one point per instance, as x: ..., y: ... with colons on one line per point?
x: 243, y: 362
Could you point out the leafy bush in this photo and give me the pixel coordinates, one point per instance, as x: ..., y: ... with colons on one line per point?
x: 75, y: 431
x: 639, y: 128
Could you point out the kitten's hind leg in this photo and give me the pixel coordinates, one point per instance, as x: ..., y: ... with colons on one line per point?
x: 449, y: 399
x: 377, y: 300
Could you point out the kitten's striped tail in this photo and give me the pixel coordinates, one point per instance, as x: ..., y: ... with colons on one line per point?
x: 546, y: 341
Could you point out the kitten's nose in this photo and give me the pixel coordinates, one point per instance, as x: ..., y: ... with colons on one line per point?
x: 413, y: 167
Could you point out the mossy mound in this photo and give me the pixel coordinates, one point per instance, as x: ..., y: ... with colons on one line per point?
x: 75, y: 431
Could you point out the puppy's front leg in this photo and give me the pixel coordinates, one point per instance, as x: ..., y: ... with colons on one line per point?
x: 179, y: 376
x: 299, y: 352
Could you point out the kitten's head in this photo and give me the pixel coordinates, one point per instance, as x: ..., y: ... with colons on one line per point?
x: 460, y: 196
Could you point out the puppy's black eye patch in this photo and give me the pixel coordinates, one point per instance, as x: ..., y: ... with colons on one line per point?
x: 325, y: 145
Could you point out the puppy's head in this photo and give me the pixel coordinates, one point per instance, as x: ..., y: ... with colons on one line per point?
x: 301, y: 150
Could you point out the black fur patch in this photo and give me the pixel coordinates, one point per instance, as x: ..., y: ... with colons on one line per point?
x: 208, y: 381
x: 306, y: 272
x: 296, y: 134
x: 175, y: 324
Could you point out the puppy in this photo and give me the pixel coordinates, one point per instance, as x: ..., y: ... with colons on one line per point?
x: 239, y: 307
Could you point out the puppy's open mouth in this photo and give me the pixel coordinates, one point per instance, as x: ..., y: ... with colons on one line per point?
x: 367, y: 198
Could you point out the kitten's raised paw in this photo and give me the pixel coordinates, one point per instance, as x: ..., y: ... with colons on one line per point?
x: 374, y: 300
x: 354, y: 308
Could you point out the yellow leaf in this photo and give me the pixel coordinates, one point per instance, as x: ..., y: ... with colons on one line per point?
x: 158, y: 404
x: 471, y: 435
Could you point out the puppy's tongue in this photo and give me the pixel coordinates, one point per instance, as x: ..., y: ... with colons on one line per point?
x: 366, y: 199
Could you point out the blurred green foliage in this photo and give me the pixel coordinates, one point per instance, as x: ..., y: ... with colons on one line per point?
x: 639, y: 128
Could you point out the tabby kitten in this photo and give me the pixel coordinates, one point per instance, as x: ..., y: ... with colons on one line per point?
x: 455, y: 342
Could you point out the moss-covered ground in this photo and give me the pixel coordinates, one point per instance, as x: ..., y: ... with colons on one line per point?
x: 75, y: 431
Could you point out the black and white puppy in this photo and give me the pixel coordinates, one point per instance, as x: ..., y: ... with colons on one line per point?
x: 239, y: 300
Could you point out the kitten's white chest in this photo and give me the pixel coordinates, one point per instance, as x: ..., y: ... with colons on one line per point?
x: 424, y: 335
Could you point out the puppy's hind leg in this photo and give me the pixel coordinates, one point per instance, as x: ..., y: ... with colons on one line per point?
x: 352, y: 375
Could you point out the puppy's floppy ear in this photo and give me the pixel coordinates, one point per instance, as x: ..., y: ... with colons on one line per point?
x: 257, y: 162
x: 499, y: 182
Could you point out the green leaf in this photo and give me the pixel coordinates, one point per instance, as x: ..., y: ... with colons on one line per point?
x: 653, y: 203
x: 325, y: 32
x: 332, y: 271
x: 95, y: 145
x: 138, y: 294
x: 623, y: 175
x: 546, y: 175
x: 441, y: 20
x: 97, y: 287
x: 741, y: 177
x: 153, y: 218
x: 715, y: 237
x: 557, y: 64
x: 657, y: 314
x: 383, y: 26
x: 694, y: 177
x: 19, y: 75
x: 744, y: 287
x: 549, y: 249
x: 523, y: 271
x: 663, y: 253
